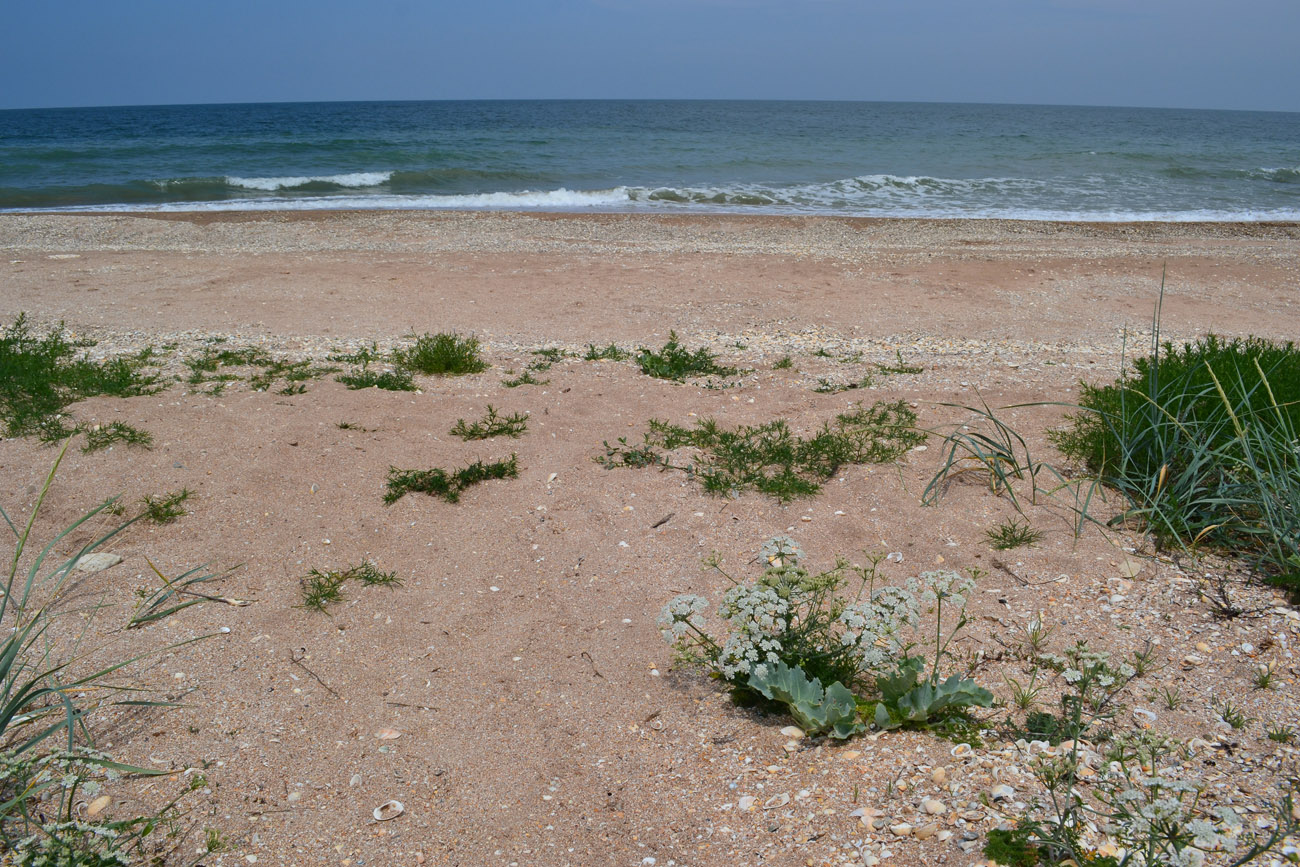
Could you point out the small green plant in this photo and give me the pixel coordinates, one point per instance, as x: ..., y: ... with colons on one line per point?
x: 444, y: 354
x: 348, y: 425
x: 1262, y: 676
x: 1038, y: 632
x: 103, y: 436
x: 296, y: 375
x: 825, y: 386
x: 1012, y: 847
x: 525, y: 378
x: 167, y: 508
x: 605, y: 353
x: 492, y: 425
x: 899, y: 366
x: 215, y: 841
x: 1169, y: 696
x: 769, y: 458
x: 552, y: 354
x: 438, y: 482
x: 675, y: 362
x: 794, y: 639
x: 365, y: 356
x: 388, y: 380
x: 323, y: 588
x: 785, y: 362
x: 1012, y: 533
x: 1282, y: 734
x: 1025, y: 696
x: 1232, y: 715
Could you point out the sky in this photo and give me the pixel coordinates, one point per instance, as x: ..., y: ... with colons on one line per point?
x: 1159, y: 53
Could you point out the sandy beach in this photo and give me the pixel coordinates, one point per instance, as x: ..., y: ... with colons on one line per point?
x: 541, y: 718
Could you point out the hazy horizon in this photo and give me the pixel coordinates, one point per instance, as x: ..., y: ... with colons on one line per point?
x: 1107, y: 53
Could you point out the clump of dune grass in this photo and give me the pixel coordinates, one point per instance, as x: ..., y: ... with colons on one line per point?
x: 321, y: 588
x: 1203, y: 440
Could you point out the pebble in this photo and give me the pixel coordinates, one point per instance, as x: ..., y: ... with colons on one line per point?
x: 933, y: 807
x: 939, y: 776
x: 793, y: 732
x: 925, y: 832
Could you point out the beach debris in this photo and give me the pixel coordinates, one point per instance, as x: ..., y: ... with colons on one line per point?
x: 1002, y: 793
x: 776, y: 801
x: 388, y: 810
x: 97, y: 562
x: 388, y: 734
x: 746, y: 803
x: 961, y: 751
x: 98, y: 805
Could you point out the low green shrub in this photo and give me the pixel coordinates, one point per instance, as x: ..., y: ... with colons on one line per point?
x: 492, y: 425
x: 769, y: 458
x: 40, y: 375
x: 675, y: 362
x: 438, y: 482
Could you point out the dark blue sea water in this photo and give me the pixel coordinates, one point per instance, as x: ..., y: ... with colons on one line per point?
x: 844, y: 158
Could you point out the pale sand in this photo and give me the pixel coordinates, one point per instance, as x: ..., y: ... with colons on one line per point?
x: 542, y: 721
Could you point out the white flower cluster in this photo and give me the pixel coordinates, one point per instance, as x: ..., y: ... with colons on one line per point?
x: 680, y: 614
x: 942, y: 585
x: 758, y: 616
x: 874, y: 629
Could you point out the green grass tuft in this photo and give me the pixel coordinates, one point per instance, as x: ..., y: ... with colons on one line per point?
x: 525, y: 378
x: 438, y: 482
x: 1013, y: 533
x: 1201, y: 440
x: 389, y: 380
x: 323, y: 588
x: 441, y: 355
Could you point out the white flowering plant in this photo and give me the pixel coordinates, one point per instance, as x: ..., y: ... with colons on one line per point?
x: 834, y: 630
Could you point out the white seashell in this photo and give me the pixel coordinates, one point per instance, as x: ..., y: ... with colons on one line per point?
x: 388, y: 734
x: 792, y: 732
x: 746, y: 803
x: 1002, y: 793
x: 776, y: 801
x: 902, y: 829
x: 1144, y: 715
x: 961, y: 751
x: 389, y: 810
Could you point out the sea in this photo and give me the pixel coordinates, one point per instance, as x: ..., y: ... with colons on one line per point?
x: 875, y: 159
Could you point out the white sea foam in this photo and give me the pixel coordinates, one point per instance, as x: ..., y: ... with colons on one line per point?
x: 352, y: 180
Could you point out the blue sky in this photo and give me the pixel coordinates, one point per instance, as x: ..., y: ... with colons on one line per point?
x: 1169, y: 53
